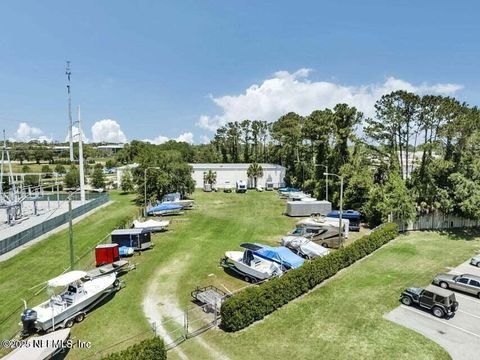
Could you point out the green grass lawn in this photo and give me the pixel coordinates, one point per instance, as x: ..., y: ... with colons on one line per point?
x: 342, y: 319
x: 50, y: 257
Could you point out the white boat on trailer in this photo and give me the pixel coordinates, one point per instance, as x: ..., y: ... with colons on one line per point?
x: 80, y: 294
x: 252, y: 267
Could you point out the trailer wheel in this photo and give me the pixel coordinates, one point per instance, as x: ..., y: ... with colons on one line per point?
x: 247, y: 278
x: 68, y: 323
x: 253, y: 280
x: 80, y: 317
x: 116, y: 283
x: 325, y: 245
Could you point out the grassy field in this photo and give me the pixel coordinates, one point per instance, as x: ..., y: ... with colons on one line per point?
x: 50, y: 257
x: 342, y: 319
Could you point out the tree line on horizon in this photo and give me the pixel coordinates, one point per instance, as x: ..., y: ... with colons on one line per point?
x: 418, y: 155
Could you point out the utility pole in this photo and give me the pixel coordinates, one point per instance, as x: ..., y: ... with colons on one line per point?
x: 80, y: 159
x: 341, y: 205
x: 70, y: 232
x: 70, y: 121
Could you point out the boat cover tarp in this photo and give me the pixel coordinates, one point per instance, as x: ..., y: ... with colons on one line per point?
x: 349, y: 214
x: 280, y: 255
x: 67, y: 278
x: 150, y: 224
x: 305, y: 246
x: 164, y: 207
x: 288, y: 189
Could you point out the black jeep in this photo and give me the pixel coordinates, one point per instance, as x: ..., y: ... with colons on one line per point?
x: 441, y: 302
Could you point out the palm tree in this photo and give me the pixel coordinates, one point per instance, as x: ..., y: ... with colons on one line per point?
x: 255, y: 171
x: 210, y: 177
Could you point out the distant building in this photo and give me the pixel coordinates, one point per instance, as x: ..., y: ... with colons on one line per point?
x: 110, y: 149
x: 227, y: 173
x: 231, y: 173
x: 414, y: 160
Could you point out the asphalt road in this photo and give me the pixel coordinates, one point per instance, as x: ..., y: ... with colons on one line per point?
x: 459, y: 335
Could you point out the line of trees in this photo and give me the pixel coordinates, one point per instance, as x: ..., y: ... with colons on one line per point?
x: 418, y: 154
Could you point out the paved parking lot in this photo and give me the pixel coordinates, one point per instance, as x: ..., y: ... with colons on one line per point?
x: 459, y: 335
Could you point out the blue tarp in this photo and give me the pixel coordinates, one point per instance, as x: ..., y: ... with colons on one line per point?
x: 281, y: 255
x: 288, y: 189
x: 164, y: 207
x: 349, y: 214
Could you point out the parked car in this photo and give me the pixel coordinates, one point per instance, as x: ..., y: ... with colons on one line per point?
x: 466, y: 282
x: 228, y: 187
x: 475, y: 261
x: 441, y: 302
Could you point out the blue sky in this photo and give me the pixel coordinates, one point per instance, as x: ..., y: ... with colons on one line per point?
x: 157, y: 68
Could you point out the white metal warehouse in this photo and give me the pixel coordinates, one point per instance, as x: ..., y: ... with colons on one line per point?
x: 234, y: 172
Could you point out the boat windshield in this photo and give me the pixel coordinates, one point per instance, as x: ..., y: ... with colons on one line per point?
x: 297, y: 231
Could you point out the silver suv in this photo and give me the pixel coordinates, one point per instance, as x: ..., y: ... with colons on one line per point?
x: 466, y: 283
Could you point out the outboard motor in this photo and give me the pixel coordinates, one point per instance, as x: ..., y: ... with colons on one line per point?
x: 29, y: 317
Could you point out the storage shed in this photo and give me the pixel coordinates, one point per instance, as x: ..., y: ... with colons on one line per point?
x: 106, y: 254
x: 138, y: 239
x: 307, y: 208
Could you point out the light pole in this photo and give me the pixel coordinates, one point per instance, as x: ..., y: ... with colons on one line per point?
x: 326, y: 179
x: 145, y: 187
x: 341, y: 204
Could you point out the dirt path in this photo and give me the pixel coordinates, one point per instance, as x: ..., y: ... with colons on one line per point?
x: 161, y: 306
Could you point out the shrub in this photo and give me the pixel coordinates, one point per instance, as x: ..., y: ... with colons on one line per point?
x: 150, y: 349
x: 254, y: 303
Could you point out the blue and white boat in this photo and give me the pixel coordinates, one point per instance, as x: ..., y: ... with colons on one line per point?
x: 176, y: 199
x: 281, y: 255
x: 165, y: 209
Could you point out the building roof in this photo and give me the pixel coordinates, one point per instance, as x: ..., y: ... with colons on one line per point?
x: 111, y: 147
x: 235, y: 166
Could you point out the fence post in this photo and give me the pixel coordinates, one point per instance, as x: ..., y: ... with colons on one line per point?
x: 186, y: 321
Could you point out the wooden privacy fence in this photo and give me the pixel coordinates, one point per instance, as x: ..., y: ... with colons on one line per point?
x: 436, y: 221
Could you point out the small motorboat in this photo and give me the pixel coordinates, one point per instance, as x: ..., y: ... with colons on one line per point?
x: 80, y: 293
x: 41, y: 347
x: 288, y: 189
x: 151, y: 225
x: 281, y: 255
x: 176, y: 199
x: 251, y: 266
x: 304, y: 247
x: 125, y: 251
x: 165, y: 209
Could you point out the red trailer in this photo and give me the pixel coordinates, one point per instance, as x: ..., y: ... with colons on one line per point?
x: 106, y: 254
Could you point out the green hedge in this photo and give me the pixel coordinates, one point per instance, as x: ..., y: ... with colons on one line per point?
x: 150, y: 349
x: 254, y: 303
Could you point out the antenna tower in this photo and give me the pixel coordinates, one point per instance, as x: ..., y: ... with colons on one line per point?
x: 70, y: 121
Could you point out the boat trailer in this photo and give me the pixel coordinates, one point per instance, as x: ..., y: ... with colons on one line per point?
x: 211, y: 296
x: 247, y: 277
x: 119, y: 267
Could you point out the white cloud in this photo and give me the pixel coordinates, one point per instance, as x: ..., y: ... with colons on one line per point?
x: 27, y: 133
x: 109, y: 131
x: 185, y: 137
x: 76, y: 136
x: 286, y: 92
x: 158, y: 140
